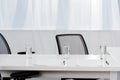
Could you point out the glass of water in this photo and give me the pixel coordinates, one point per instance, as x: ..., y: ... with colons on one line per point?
x: 103, y: 52
x: 28, y: 49
x: 66, y: 53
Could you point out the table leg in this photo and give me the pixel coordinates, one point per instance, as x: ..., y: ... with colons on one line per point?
x: 113, y: 75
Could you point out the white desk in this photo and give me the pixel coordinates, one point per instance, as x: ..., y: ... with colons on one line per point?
x: 105, y: 72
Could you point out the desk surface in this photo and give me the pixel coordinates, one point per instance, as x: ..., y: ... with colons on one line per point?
x: 53, y: 68
x: 16, y: 62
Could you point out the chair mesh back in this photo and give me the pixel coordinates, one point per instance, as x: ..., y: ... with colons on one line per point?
x: 75, y: 42
x: 4, y: 47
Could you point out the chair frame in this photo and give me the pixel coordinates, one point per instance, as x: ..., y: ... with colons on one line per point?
x: 83, y: 41
x: 6, y: 44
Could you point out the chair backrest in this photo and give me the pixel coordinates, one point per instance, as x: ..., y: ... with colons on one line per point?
x: 75, y: 42
x: 4, y: 47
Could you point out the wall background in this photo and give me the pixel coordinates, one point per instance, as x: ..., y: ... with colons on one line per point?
x: 43, y: 42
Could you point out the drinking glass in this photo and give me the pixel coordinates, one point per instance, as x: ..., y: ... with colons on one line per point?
x: 103, y: 54
x: 28, y: 49
x: 66, y: 53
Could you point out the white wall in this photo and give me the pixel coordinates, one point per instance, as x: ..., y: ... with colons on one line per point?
x: 43, y: 42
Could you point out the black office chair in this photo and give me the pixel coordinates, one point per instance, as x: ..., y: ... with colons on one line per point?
x: 22, y: 75
x: 5, y: 49
x: 76, y: 44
